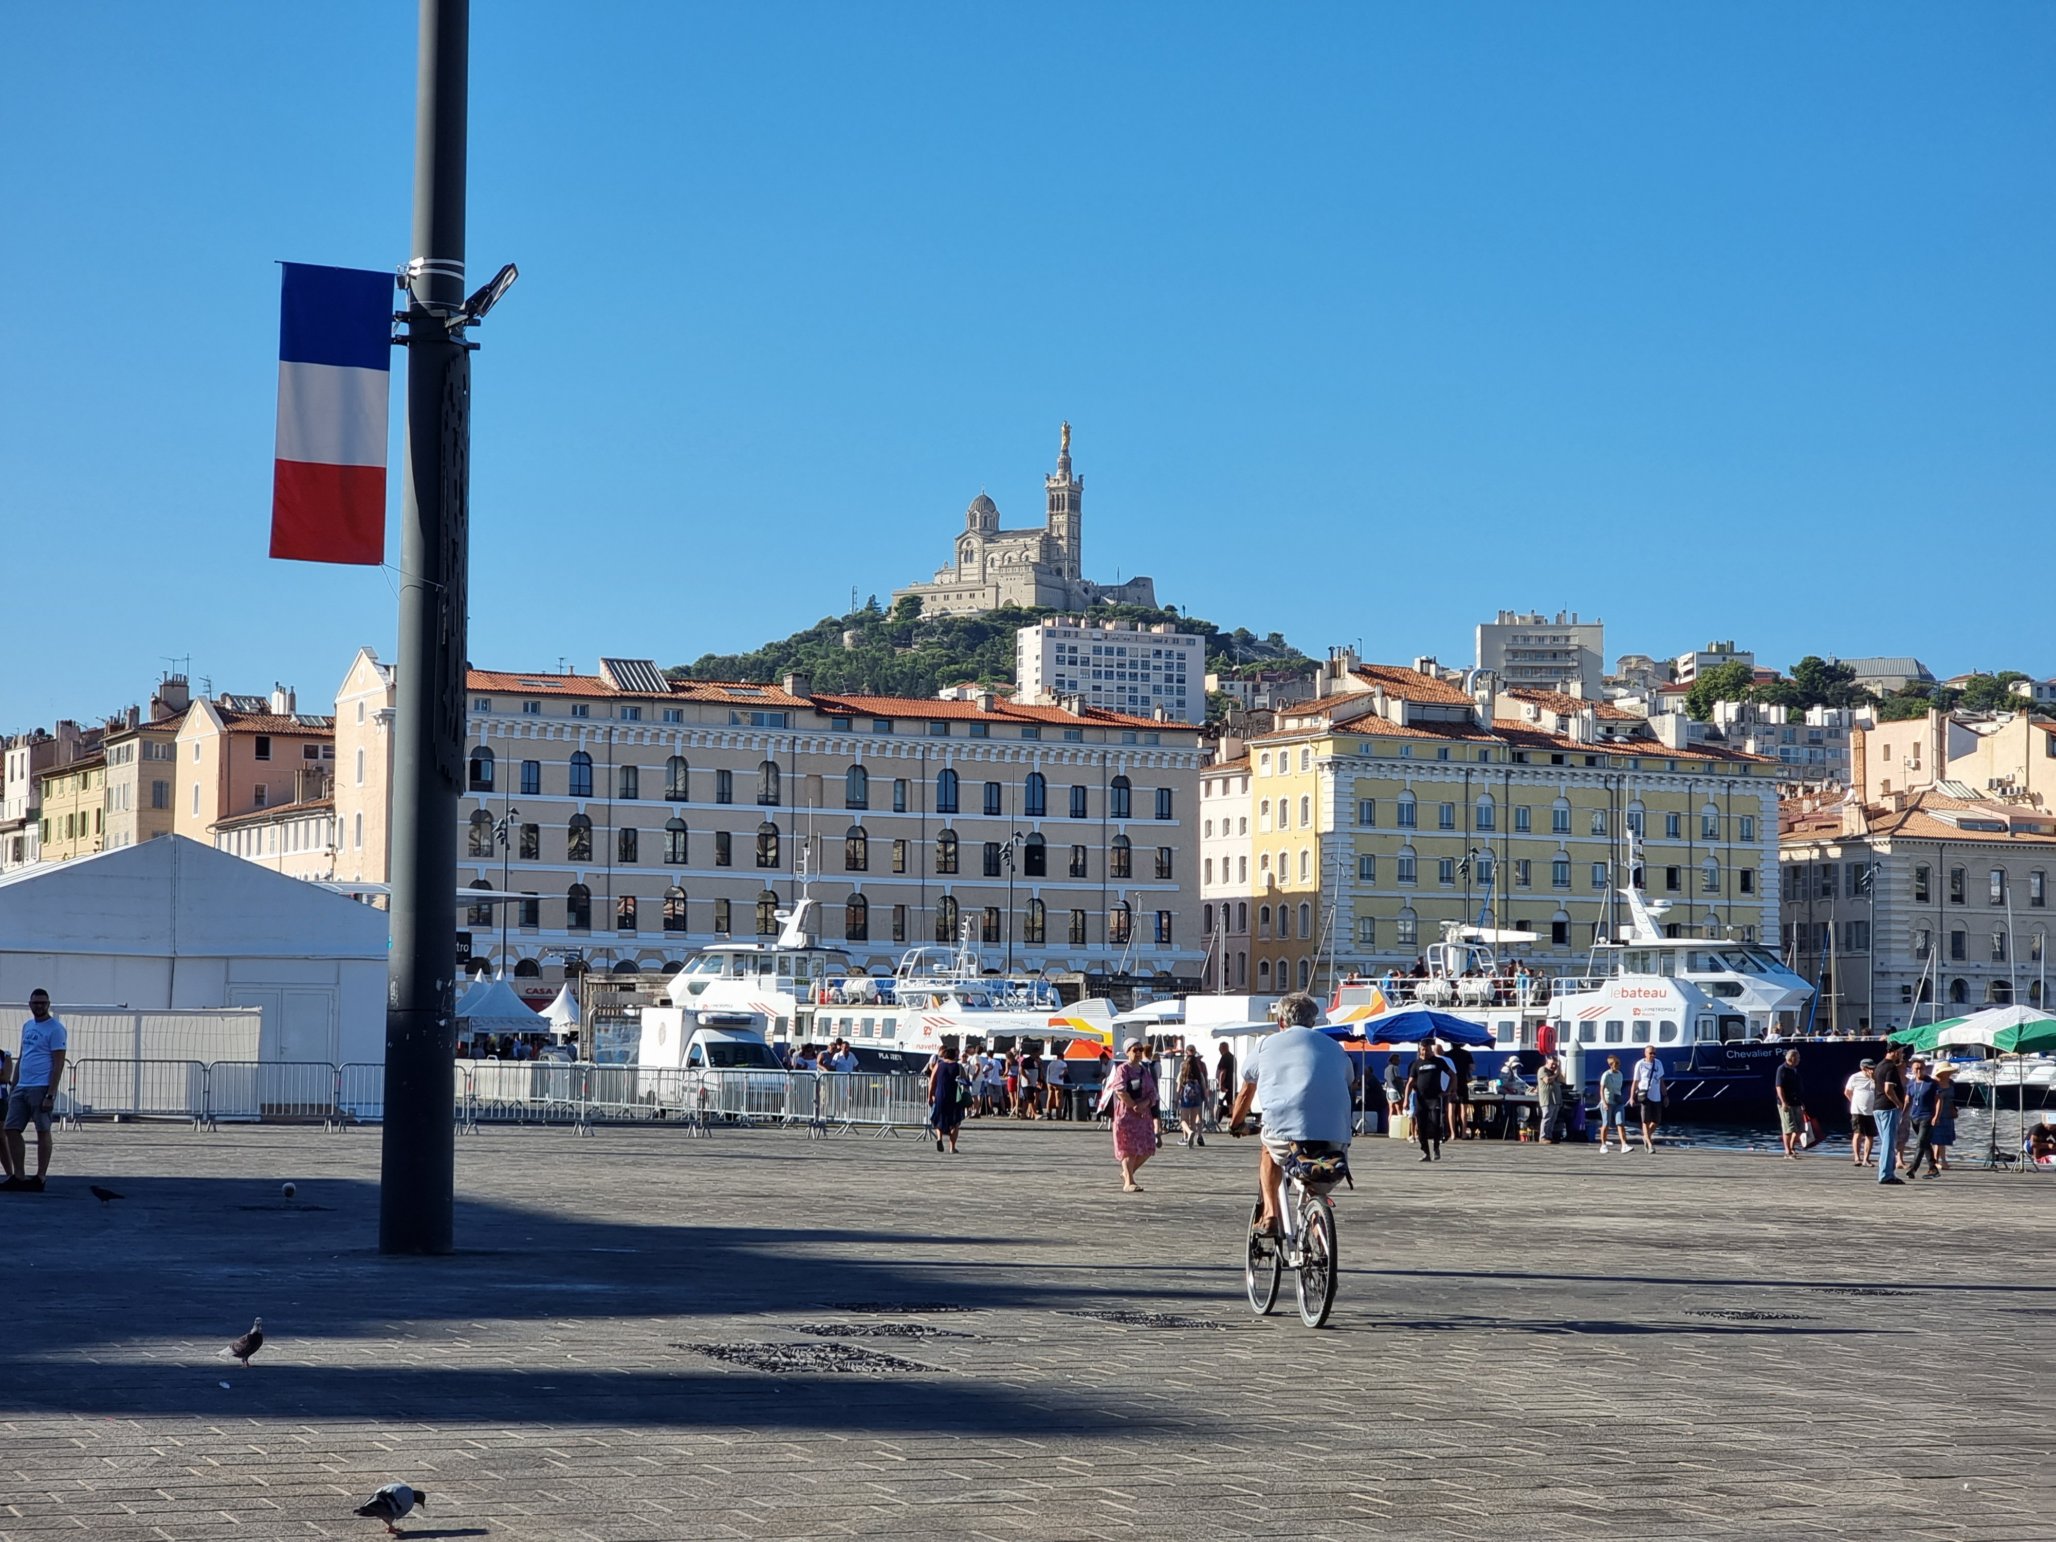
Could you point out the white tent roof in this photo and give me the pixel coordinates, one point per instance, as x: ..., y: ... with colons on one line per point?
x: 174, y: 897
x: 562, y: 1013
x: 492, y: 1007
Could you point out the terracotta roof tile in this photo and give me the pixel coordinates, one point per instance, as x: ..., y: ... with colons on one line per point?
x: 306, y: 724
x: 1002, y: 712
x: 1567, y: 704
x: 1411, y: 685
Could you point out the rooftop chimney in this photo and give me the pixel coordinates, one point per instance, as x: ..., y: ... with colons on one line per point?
x: 797, y: 684
x: 282, y: 699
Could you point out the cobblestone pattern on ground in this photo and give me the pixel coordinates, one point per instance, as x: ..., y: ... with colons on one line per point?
x: 1528, y: 1342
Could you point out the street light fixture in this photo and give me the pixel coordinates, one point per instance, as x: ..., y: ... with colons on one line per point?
x: 504, y: 831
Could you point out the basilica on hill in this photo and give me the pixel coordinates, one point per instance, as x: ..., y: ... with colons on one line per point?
x: 1040, y: 566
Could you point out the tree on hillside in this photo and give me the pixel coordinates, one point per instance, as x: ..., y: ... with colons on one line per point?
x: 1993, y: 693
x: 1814, y: 682
x: 1724, y: 682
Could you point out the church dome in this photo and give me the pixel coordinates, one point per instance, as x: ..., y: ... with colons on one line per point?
x: 983, y: 514
x: 983, y: 505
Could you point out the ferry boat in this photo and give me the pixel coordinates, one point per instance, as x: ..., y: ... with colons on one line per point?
x: 1712, y: 1009
x: 801, y: 991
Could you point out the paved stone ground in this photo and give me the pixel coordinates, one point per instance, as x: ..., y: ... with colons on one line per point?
x: 1529, y: 1342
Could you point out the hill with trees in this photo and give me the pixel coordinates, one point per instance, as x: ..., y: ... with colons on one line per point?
x: 900, y: 652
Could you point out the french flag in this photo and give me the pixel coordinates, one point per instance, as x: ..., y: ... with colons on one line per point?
x: 328, y: 489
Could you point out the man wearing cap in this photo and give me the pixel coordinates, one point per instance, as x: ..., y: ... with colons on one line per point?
x: 1791, y: 1116
x: 1891, y: 1089
x: 1921, y: 1103
x: 1861, y: 1092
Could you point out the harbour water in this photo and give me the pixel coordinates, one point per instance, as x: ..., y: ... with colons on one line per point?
x: 1973, y: 1135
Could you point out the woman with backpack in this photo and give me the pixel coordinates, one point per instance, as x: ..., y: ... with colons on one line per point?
x: 1192, y: 1097
x: 1132, y: 1094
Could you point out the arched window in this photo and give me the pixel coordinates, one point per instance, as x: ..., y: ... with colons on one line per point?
x: 946, y: 919
x: 1560, y: 817
x: 627, y: 782
x: 946, y: 852
x: 1263, y: 921
x: 481, y: 769
x: 578, y: 839
x: 1484, y: 815
x: 945, y: 791
x: 1959, y: 992
x: 677, y: 780
x: 527, y: 969
x: 856, y: 919
x: 856, y: 850
x: 481, y: 832
x: 1406, y: 928
x: 1034, y: 858
x: 1120, y: 858
x: 1242, y: 918
x: 1306, y: 813
x: 1709, y: 877
x: 1409, y: 811
x: 578, y: 908
x: 1408, y: 865
x: 856, y: 788
x: 624, y: 921
x: 1637, y: 817
x: 1120, y: 799
x: 1306, y: 920
x: 1206, y: 918
x: 767, y: 913
x: 674, y: 842
x: 1035, y: 796
x: 627, y: 843
x: 1305, y: 972
x: 767, y: 844
x: 1120, y: 925
x: 581, y: 774
x: 1709, y: 822
x: 1284, y: 813
x: 2000, y: 992
x: 1035, y: 929
x: 674, y: 909
x: 479, y: 915
x: 767, y: 783
x: 1263, y: 974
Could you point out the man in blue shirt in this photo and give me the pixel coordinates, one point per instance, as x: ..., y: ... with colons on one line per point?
x: 1299, y: 1081
x: 36, y: 1076
x: 1923, y: 1102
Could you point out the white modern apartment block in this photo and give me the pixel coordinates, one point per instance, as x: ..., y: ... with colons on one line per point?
x: 1117, y: 666
x: 1686, y: 668
x: 1565, y: 654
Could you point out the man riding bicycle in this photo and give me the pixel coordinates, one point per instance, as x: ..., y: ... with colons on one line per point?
x: 1299, y: 1081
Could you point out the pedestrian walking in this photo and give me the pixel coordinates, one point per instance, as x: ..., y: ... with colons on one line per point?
x: 1944, y: 1135
x: 1462, y: 1124
x: 1613, y: 1091
x: 1055, y: 1080
x: 1791, y: 1115
x: 945, y: 1097
x: 1029, y: 1104
x: 1133, y: 1091
x: 1428, y: 1085
x: 1192, y: 1096
x: 1861, y: 1091
x: 1921, y: 1106
x: 1891, y: 1104
x: 1224, y: 1084
x: 37, y: 1072
x: 1646, y: 1090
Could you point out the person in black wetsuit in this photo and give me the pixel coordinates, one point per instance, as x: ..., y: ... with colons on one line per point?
x: 1430, y: 1081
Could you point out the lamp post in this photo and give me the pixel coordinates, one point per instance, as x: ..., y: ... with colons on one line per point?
x: 1007, y: 856
x: 504, y: 831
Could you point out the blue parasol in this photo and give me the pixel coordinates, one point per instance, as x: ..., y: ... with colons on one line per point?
x: 1411, y: 1025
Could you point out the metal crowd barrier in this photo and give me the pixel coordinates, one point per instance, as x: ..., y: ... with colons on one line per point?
x: 494, y: 1092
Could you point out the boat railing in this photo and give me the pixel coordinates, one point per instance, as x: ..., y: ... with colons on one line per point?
x: 1461, y: 991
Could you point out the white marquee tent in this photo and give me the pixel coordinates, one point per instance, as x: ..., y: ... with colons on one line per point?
x: 491, y: 1006
x: 172, y: 924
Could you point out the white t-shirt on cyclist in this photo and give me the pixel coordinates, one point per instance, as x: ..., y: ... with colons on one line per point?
x: 1302, y: 1086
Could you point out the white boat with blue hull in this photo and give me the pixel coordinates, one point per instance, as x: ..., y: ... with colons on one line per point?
x: 1714, y: 1011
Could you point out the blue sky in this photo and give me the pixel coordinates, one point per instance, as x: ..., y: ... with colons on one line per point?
x: 1713, y: 320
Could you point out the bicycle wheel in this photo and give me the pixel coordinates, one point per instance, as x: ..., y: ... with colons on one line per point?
x: 1261, y: 1267
x: 1317, y: 1267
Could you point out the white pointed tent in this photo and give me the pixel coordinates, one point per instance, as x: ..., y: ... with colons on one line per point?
x: 562, y: 1013
x: 172, y: 925
x: 492, y: 1007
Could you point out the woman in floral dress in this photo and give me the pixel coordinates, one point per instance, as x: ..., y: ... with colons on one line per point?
x: 1135, y: 1115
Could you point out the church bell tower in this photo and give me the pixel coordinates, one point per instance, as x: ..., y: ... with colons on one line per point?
x: 1066, y: 500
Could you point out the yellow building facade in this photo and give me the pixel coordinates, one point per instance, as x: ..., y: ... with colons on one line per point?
x: 74, y: 809
x: 1385, y: 810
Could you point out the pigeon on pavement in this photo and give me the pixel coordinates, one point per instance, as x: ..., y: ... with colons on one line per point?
x: 392, y: 1503
x: 103, y: 1195
x: 246, y: 1346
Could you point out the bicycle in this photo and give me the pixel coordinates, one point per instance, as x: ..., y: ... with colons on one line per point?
x: 1307, y: 1246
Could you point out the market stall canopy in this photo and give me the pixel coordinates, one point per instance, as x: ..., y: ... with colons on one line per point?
x: 1412, y: 1025
x: 2011, y: 1030
x: 492, y: 1007
x: 562, y: 1012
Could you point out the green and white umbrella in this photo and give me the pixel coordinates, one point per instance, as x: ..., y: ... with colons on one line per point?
x: 2011, y: 1030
